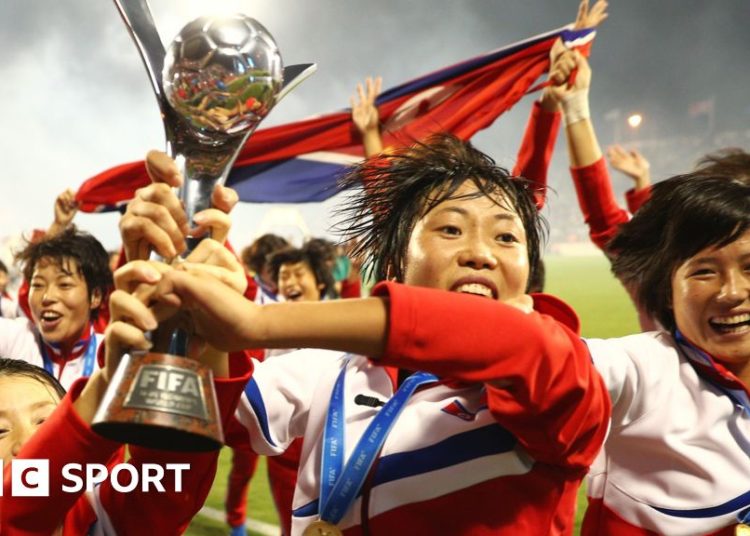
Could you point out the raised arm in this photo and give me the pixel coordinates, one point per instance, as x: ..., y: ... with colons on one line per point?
x: 66, y: 208
x: 366, y: 117
x: 538, y: 143
x: 635, y: 166
x: 592, y: 181
x: 536, y: 371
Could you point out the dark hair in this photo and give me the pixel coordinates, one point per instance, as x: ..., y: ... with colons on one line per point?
x: 685, y: 215
x: 325, y: 248
x: 87, y: 251
x: 3, y: 268
x: 313, y: 257
x: 18, y: 367
x: 732, y: 162
x: 536, y: 283
x: 256, y: 254
x: 393, y: 191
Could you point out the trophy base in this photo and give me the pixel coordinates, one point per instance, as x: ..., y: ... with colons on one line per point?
x: 156, y: 437
x: 161, y: 401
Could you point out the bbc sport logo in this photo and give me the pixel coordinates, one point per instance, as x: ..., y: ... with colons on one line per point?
x: 31, y: 477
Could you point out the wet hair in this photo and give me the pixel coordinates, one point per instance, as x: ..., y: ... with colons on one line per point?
x: 685, y: 215
x: 536, y: 283
x: 256, y: 254
x: 87, y: 251
x: 312, y: 256
x: 392, y: 192
x: 731, y: 162
x: 18, y: 367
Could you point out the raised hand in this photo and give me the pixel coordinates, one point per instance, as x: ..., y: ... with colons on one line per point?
x: 66, y: 207
x: 155, y: 218
x: 590, y: 18
x: 563, y: 63
x: 364, y: 112
x: 212, y: 258
x: 365, y: 115
x: 221, y: 316
x: 130, y: 316
x: 631, y: 163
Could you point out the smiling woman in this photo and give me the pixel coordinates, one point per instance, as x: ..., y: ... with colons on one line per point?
x: 506, y: 402
x: 675, y: 460
x: 69, y: 277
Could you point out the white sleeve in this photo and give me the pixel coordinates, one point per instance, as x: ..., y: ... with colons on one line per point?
x: 632, y: 369
x: 277, y: 399
x: 17, y: 341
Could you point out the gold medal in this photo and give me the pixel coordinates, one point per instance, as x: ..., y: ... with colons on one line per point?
x: 322, y: 528
x: 742, y: 530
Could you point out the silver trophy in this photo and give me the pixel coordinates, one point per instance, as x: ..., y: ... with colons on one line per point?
x: 216, y: 82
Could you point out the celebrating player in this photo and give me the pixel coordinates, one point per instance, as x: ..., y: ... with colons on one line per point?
x: 509, y: 406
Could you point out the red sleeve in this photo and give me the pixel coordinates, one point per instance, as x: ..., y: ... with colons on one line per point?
x: 541, y: 382
x: 351, y: 289
x: 535, y: 152
x: 171, y: 513
x: 636, y: 198
x: 64, y: 438
x: 597, y: 201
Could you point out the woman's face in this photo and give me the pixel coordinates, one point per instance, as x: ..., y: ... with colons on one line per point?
x: 711, y: 301
x: 297, y: 282
x: 469, y: 245
x: 25, y: 403
x: 59, y: 300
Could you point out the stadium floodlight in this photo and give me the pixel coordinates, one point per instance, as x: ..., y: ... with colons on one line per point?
x: 635, y: 120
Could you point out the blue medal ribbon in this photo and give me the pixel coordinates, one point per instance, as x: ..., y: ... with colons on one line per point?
x: 696, y: 355
x: 340, y: 484
x: 88, y: 359
x: 737, y: 396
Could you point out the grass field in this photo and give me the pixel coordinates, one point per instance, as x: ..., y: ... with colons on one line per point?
x: 584, y: 282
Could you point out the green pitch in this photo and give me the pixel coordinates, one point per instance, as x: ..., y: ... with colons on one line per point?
x: 584, y: 282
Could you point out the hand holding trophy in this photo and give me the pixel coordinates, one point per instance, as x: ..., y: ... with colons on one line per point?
x: 216, y: 82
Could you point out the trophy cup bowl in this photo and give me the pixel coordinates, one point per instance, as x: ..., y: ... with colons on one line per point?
x: 220, y: 78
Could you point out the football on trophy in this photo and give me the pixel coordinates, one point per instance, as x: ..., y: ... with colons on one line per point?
x: 222, y: 75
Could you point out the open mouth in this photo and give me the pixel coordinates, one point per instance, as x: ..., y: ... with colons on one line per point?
x: 475, y: 288
x: 731, y: 325
x: 49, y: 320
x: 293, y: 295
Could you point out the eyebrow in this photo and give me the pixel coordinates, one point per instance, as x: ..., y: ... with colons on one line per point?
x: 31, y: 407
x: 63, y: 273
x: 498, y: 216
x: 713, y: 257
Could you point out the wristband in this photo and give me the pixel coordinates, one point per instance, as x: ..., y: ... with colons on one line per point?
x: 575, y: 107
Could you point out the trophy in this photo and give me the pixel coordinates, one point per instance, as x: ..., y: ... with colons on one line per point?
x: 217, y: 81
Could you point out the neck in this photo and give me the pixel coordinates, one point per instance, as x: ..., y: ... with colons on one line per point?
x: 66, y: 347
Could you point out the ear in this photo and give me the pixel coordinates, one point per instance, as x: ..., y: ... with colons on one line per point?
x: 96, y: 299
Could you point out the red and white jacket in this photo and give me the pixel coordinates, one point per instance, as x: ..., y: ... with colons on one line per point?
x: 19, y: 339
x: 677, y: 457
x: 498, y: 447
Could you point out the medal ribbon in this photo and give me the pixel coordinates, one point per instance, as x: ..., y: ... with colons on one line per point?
x: 700, y: 360
x: 88, y: 359
x: 340, y: 484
